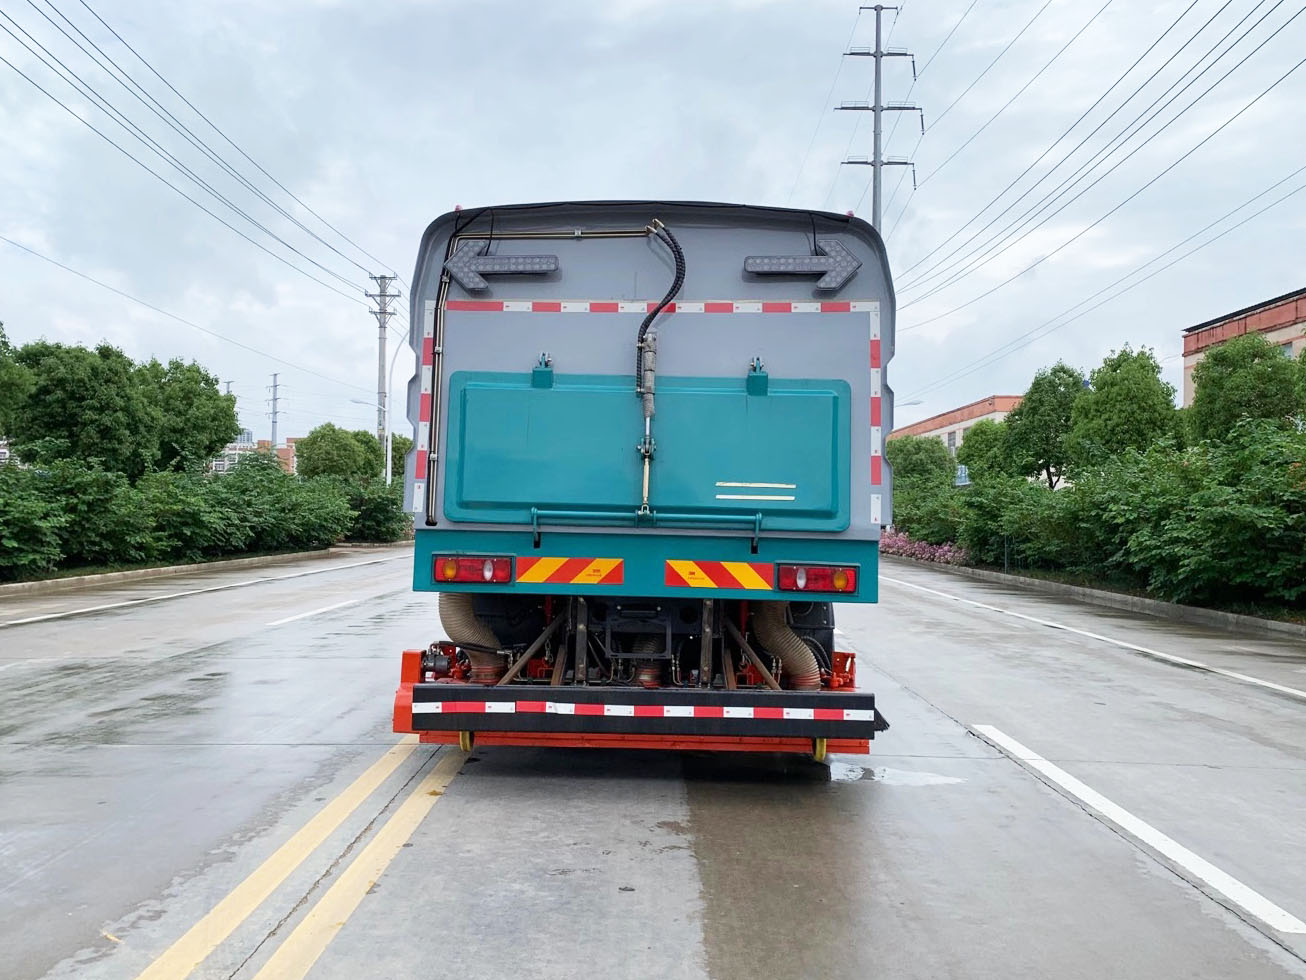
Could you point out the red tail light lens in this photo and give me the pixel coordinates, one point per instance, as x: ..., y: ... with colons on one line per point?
x: 452, y: 568
x: 817, y: 578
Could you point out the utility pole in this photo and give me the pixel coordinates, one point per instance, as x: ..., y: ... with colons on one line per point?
x: 228, y: 384
x: 383, y: 313
x: 877, y: 107
x: 276, y: 391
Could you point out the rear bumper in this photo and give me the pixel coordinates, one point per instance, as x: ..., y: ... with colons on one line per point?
x: 603, y: 713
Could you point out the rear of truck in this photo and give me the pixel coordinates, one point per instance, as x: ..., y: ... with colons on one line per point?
x: 647, y: 464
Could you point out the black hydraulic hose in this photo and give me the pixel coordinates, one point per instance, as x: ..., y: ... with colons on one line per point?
x: 668, y: 239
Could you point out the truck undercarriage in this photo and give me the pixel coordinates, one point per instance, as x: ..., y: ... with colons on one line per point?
x: 638, y: 673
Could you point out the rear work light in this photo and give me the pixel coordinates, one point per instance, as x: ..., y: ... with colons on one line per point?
x: 817, y: 578
x: 451, y: 568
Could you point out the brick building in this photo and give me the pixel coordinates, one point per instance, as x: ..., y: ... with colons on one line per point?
x: 1282, y: 321
x: 952, y: 426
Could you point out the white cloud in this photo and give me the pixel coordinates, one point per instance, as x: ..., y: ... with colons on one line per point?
x: 384, y: 115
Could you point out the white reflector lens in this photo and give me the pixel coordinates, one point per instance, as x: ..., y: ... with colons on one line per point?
x: 801, y: 578
x: 487, y: 570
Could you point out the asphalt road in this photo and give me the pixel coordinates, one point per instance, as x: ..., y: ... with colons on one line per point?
x: 206, y: 785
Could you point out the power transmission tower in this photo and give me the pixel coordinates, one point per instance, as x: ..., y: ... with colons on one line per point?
x: 877, y: 161
x: 228, y: 384
x: 275, y: 413
x: 383, y: 313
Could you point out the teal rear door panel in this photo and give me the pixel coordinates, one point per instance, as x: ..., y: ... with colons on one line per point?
x: 721, y: 451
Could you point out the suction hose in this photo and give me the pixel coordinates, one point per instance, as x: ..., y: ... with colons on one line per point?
x: 477, y: 640
x: 778, y: 639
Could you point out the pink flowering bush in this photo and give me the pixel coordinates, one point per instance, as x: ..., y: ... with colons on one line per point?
x: 896, y: 543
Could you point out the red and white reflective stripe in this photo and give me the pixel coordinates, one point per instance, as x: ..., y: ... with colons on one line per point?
x: 424, y: 408
x: 644, y: 306
x: 642, y: 710
x: 877, y: 422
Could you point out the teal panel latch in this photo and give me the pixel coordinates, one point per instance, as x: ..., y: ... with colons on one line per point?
x: 542, y: 374
x: 758, y: 380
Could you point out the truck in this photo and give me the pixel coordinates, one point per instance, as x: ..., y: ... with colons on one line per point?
x: 647, y: 463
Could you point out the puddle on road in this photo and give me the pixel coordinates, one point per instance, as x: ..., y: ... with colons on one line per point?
x: 843, y: 772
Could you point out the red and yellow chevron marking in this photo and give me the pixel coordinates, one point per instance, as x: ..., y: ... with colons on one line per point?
x: 720, y: 574
x: 570, y: 571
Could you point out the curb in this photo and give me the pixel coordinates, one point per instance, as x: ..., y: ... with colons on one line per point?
x: 44, y: 586
x: 1194, y: 615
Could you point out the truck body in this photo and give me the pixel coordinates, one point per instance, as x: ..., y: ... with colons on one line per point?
x: 647, y: 462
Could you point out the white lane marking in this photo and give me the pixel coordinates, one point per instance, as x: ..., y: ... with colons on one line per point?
x: 313, y: 612
x: 189, y: 592
x: 27, y: 660
x: 1146, y: 651
x: 1230, y: 887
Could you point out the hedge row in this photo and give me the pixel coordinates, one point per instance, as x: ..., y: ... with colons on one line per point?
x: 68, y: 515
x: 1216, y: 523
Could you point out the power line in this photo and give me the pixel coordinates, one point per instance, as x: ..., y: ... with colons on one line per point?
x: 173, y: 316
x: 1140, y: 190
x: 946, y: 269
x: 1039, y: 331
x: 82, y: 87
x: 214, y: 126
x: 964, y: 92
x: 164, y: 180
x: 136, y: 90
x: 1053, y: 145
x: 993, y: 253
x: 825, y: 103
x: 1007, y: 105
x: 894, y: 128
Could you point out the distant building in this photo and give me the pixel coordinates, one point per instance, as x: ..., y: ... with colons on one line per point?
x: 952, y: 426
x: 245, y: 443
x: 1281, y: 321
x: 285, y: 454
x: 5, y: 455
x: 232, y: 452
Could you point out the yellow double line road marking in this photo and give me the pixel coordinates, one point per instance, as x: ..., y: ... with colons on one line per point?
x: 296, y: 956
x: 188, y: 952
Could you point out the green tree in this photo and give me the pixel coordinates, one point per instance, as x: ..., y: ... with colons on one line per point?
x: 15, y: 382
x: 195, y: 419
x: 331, y: 451
x: 1246, y: 377
x: 400, y: 446
x: 919, y: 461
x: 1037, y: 428
x: 984, y: 450
x: 923, y: 472
x: 373, y: 453
x: 85, y: 405
x: 1126, y: 406
x: 380, y: 511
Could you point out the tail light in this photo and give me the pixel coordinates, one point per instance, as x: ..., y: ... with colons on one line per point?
x: 452, y: 568
x: 817, y: 578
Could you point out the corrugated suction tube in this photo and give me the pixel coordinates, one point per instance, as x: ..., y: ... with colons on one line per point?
x: 465, y: 628
x: 800, y: 666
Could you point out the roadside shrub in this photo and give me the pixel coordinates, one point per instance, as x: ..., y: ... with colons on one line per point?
x: 29, y: 524
x: 190, y: 519
x: 105, y: 523
x: 380, y: 511
x: 280, y: 512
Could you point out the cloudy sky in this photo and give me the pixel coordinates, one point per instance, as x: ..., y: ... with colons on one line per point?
x: 382, y: 115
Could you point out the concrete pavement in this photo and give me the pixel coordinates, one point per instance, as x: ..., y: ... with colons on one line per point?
x: 181, y: 779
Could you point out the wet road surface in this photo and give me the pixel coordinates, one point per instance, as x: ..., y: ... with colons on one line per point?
x: 184, y: 785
